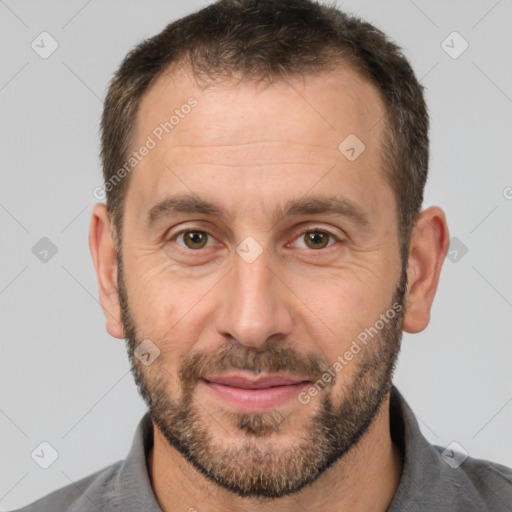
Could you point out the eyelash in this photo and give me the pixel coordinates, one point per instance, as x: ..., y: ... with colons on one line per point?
x: 302, y: 233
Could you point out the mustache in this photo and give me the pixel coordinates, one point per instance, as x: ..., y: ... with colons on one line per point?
x: 273, y: 359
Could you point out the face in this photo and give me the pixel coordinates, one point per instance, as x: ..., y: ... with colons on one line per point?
x: 264, y: 265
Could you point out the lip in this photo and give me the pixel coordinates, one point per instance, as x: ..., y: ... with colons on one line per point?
x: 261, y: 381
x: 255, y: 394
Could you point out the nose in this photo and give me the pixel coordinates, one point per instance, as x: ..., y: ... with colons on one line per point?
x: 255, y: 304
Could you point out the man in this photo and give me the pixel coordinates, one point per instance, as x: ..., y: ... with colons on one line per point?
x: 261, y: 249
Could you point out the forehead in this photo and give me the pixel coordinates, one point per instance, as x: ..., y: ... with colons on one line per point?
x: 328, y: 104
x: 289, y: 130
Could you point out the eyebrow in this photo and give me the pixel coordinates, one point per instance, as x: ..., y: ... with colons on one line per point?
x: 310, y: 205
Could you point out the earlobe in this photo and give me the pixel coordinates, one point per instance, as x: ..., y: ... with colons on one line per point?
x: 427, y: 250
x: 104, y: 257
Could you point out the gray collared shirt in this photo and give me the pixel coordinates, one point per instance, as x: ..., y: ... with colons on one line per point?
x: 428, y: 483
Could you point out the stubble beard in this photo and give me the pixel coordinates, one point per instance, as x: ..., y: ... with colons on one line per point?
x: 256, y: 467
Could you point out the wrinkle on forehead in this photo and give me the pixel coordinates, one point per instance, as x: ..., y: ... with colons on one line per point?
x: 324, y: 104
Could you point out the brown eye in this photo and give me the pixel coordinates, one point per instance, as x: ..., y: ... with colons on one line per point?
x: 193, y: 239
x: 316, y: 239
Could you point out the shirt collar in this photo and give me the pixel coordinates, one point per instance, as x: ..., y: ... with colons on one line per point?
x: 133, y: 484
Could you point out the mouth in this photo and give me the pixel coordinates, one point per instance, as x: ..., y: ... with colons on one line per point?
x: 255, y: 394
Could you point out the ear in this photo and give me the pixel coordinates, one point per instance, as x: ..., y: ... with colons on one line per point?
x: 104, y: 257
x: 427, y: 249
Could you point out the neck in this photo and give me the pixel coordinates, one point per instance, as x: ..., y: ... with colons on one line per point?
x: 365, y: 479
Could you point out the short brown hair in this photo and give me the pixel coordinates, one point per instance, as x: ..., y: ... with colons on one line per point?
x: 268, y: 40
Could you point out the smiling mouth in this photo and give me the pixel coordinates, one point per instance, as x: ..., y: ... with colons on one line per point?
x: 255, y: 394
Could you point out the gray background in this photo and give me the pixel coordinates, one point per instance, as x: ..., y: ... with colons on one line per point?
x: 64, y: 380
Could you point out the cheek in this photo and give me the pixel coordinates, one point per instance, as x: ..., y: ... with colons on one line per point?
x: 149, y: 284
x: 167, y: 309
x: 336, y: 310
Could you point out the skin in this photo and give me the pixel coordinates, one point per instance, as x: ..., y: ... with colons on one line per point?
x: 251, y: 161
